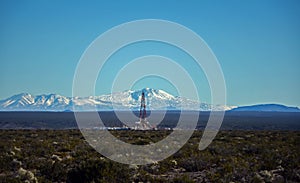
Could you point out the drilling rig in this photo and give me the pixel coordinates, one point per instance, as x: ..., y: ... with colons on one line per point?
x: 143, y: 108
x: 143, y: 124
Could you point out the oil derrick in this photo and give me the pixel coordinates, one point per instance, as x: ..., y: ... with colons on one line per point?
x: 143, y: 108
x: 143, y: 124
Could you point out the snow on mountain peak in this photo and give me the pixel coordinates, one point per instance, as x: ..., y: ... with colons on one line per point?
x: 126, y: 100
x: 18, y: 100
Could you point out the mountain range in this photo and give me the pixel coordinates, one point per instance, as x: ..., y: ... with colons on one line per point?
x: 126, y: 100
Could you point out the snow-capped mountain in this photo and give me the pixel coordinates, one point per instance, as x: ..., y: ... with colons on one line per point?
x: 129, y: 99
x: 28, y: 102
x: 267, y: 108
x: 126, y: 100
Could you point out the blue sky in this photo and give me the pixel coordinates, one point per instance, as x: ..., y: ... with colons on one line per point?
x: 256, y: 42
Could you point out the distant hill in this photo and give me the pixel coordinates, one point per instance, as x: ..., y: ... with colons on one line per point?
x: 267, y: 108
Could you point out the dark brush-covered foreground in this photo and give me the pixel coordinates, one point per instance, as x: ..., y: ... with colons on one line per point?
x: 64, y: 156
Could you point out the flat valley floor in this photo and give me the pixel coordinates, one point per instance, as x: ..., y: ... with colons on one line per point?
x: 233, y: 156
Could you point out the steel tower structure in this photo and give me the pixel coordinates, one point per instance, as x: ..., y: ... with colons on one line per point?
x: 143, y: 108
x: 143, y: 124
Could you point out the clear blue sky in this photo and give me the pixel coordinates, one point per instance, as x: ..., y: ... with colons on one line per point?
x: 256, y: 42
